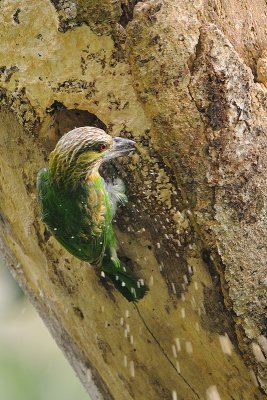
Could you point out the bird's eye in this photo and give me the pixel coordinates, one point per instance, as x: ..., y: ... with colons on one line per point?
x: 102, y: 147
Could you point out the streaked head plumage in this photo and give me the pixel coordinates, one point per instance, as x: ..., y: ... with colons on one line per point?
x: 82, y: 150
x: 82, y: 140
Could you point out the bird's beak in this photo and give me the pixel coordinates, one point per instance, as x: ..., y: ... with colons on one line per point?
x: 120, y: 147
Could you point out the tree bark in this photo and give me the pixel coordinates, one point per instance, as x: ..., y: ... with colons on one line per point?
x: 187, y: 80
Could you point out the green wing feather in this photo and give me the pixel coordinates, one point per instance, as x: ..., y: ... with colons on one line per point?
x: 67, y: 218
x: 123, y: 279
x: 70, y: 218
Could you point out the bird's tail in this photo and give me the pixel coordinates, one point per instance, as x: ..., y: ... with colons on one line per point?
x: 123, y: 278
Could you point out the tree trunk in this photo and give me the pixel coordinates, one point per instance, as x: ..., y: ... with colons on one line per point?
x: 187, y: 80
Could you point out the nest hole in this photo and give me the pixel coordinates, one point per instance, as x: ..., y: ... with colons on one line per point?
x: 66, y: 120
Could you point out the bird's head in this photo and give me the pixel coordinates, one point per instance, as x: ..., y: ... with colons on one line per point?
x: 81, y: 151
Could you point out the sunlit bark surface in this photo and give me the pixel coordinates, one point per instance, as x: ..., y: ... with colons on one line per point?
x: 187, y: 81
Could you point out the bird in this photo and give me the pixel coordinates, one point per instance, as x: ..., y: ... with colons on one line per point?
x: 78, y: 205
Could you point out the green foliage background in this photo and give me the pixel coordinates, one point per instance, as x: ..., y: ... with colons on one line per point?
x: 31, y: 365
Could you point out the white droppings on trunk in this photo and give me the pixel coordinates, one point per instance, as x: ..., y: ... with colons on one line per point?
x: 189, y: 347
x: 178, y: 344
x: 212, y: 393
x: 193, y: 302
x: 226, y: 344
x: 173, y: 288
x: 185, y: 279
x: 174, y: 352
x: 132, y: 371
x: 178, y: 368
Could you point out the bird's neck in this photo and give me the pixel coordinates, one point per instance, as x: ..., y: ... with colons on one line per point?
x: 70, y: 177
x: 93, y: 177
